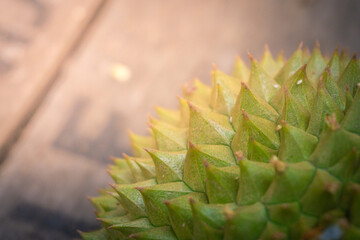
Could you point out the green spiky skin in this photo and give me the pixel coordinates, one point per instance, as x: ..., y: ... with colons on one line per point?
x: 267, y: 153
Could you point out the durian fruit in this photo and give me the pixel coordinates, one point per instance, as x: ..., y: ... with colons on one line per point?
x: 271, y: 152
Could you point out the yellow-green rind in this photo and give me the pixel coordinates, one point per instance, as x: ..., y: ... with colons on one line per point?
x: 271, y: 152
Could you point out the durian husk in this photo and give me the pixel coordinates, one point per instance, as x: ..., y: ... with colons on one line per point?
x: 270, y: 152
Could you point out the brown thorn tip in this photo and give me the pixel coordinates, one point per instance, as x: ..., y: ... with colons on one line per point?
x: 190, y: 104
x: 110, y: 193
x: 354, y: 56
x: 284, y: 206
x: 243, y: 84
x: 191, y: 200
x: 191, y: 144
x: 206, y: 164
x: 300, y: 45
x: 239, y: 156
x: 229, y: 213
x: 283, y: 123
x: 250, y: 56
x: 166, y: 202
x: 112, y: 158
x: 113, y: 185
x: 317, y: 44
x: 148, y: 116
x: 331, y: 188
x: 146, y: 149
x: 279, y: 166
x: 278, y: 127
x: 139, y: 188
x: 266, y: 47
x: 278, y: 236
x: 332, y: 122
x: 133, y: 235
x: 125, y: 155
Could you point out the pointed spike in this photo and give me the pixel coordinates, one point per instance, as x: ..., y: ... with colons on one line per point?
x: 194, y: 169
x: 207, y: 127
x: 255, y: 179
x: 262, y: 130
x: 240, y: 70
x: 261, y: 77
x: 322, y: 195
x: 291, y: 66
x: 324, y: 105
x: 296, y: 144
x: 252, y: 104
x: 290, y: 182
x: 350, y: 77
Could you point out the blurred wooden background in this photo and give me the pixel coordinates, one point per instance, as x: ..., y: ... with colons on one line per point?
x: 74, y: 75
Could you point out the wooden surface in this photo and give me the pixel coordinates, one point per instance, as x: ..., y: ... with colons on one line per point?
x: 35, y: 39
x: 87, y: 83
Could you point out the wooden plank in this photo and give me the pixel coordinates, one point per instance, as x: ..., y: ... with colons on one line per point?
x: 155, y: 46
x: 32, y: 48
